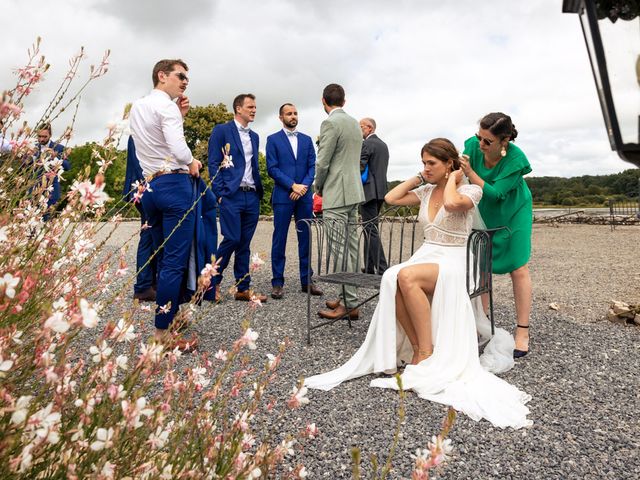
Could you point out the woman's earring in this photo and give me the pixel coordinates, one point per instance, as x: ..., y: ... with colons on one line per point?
x: 446, y: 175
x: 503, y: 152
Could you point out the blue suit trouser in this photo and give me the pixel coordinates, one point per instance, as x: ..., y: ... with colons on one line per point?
x: 282, y: 213
x: 239, y: 214
x: 146, y: 276
x: 166, y: 206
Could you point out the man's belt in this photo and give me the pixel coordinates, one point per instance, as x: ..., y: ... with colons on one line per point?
x: 167, y: 172
x: 247, y: 188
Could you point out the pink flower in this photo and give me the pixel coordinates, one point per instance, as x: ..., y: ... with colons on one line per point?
x: 249, y: 339
x: 7, y: 109
x: 255, y: 301
x: 256, y: 262
x: 221, y: 355
x: 298, y: 397
x: 90, y: 194
x: 311, y: 430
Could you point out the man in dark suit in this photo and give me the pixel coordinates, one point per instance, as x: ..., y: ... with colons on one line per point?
x: 54, y: 150
x: 144, y: 289
x: 375, y: 155
x: 291, y: 162
x: 233, y: 166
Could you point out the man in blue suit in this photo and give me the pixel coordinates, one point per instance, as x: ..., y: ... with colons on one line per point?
x: 144, y: 289
x: 235, y: 174
x: 56, y: 150
x: 291, y: 162
x: 172, y: 172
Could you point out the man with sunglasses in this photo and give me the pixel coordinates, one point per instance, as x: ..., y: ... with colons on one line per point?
x: 168, y: 165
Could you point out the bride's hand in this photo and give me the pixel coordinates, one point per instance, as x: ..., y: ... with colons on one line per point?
x: 456, y: 176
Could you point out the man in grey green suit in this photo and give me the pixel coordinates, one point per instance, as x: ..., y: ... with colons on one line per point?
x: 338, y: 181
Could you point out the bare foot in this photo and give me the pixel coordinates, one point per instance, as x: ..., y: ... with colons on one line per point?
x: 414, y: 359
x: 423, y: 355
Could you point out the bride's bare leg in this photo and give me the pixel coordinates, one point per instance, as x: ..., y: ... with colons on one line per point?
x: 417, y: 282
x: 403, y: 319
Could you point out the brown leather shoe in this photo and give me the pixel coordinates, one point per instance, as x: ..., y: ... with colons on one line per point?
x: 246, y: 296
x: 339, y: 312
x: 149, y: 295
x: 277, y: 292
x: 312, y: 289
x: 333, y: 304
x: 185, y: 345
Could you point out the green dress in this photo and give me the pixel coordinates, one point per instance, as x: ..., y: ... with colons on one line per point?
x: 506, y: 202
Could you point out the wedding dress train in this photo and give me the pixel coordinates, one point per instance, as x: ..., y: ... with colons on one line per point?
x: 454, y: 374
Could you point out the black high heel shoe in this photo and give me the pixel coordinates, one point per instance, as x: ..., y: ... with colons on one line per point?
x: 520, y: 353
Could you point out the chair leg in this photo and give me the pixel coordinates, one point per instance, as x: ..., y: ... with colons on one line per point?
x: 308, y: 316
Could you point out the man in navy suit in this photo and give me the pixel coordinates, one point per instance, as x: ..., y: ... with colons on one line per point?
x: 144, y: 289
x: 233, y: 168
x: 291, y: 162
x: 55, y: 151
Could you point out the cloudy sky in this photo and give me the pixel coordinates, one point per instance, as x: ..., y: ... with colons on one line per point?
x: 421, y: 68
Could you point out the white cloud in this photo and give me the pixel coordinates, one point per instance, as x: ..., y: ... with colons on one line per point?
x: 421, y: 69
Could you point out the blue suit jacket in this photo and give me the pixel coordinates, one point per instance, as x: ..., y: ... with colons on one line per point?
x: 54, y: 197
x: 134, y: 171
x: 227, y: 181
x: 287, y: 169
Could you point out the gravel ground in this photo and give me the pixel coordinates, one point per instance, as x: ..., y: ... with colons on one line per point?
x: 581, y: 372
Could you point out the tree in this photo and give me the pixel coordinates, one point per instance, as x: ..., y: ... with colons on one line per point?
x: 198, y: 125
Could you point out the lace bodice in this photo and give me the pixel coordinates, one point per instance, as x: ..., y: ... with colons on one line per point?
x: 447, y: 228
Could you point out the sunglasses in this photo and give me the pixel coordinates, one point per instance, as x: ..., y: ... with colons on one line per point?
x: 181, y: 76
x: 486, y: 141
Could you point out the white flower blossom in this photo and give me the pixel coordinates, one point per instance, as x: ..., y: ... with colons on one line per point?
x: 121, y: 362
x: 89, y: 314
x: 48, y: 421
x: 57, y: 323
x: 159, y: 438
x: 249, y: 338
x: 100, y: 353
x: 21, y: 409
x: 123, y: 332
x: 8, y: 283
x: 104, y: 439
x: 108, y: 470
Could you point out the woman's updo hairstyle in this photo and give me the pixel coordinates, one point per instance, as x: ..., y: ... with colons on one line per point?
x: 443, y: 150
x: 500, y: 125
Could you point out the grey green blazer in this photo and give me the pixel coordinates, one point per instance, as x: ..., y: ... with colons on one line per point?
x: 338, y: 163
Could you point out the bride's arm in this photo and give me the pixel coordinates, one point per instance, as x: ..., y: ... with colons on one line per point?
x: 452, y: 200
x: 401, y: 195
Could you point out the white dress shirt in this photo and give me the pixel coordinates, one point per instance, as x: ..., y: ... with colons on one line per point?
x: 245, y: 138
x: 292, y: 136
x: 157, y: 130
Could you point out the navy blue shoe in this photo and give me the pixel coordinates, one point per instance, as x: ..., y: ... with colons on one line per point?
x: 520, y: 353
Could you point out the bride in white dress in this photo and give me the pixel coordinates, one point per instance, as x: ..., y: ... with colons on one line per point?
x: 424, y: 316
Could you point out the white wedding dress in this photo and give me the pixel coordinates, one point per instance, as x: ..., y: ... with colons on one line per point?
x: 454, y: 375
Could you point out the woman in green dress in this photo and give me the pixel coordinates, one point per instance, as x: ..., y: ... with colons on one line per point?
x: 498, y: 166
